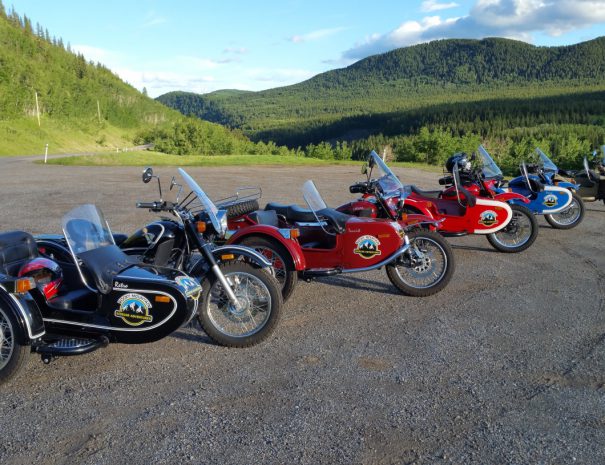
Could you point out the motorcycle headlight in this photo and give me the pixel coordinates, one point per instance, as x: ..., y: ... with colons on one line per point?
x: 221, y: 215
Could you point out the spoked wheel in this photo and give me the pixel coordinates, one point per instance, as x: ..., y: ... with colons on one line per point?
x: 426, y: 268
x: 259, y: 296
x: 280, y: 259
x: 519, y: 234
x: 570, y: 217
x: 12, y: 354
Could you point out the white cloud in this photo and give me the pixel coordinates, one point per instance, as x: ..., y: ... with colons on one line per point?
x: 152, y: 19
x: 96, y: 54
x: 433, y: 5
x: 516, y: 19
x: 315, y: 35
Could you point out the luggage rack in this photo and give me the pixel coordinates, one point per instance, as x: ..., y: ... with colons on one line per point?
x: 243, y: 194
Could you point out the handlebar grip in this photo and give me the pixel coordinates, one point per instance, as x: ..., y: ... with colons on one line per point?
x: 147, y: 204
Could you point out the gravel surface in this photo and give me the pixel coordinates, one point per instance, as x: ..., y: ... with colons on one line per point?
x: 506, y: 365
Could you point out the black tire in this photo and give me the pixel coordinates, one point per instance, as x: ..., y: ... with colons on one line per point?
x: 242, y: 208
x: 13, y: 354
x: 215, y: 305
x: 553, y: 219
x: 429, y: 243
x: 520, y: 213
x: 275, y: 253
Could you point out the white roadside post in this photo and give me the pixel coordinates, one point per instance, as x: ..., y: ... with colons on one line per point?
x: 46, y: 153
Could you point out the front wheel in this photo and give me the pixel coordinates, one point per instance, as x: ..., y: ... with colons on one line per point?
x: 570, y: 217
x: 260, y: 305
x: 519, y: 233
x: 426, y: 268
x: 13, y: 355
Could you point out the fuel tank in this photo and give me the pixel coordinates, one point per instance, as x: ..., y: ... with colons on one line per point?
x: 156, y: 241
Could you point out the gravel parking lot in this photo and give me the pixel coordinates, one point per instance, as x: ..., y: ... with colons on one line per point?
x: 506, y: 365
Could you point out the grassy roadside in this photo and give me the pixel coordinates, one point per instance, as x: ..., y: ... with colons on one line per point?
x: 160, y: 159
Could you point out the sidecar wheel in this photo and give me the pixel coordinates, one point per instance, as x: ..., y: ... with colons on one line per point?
x: 13, y: 355
x: 427, y: 273
x: 260, y: 296
x: 281, y: 260
x: 519, y: 234
x: 570, y: 217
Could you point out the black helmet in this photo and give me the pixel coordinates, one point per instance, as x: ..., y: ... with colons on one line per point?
x: 459, y: 159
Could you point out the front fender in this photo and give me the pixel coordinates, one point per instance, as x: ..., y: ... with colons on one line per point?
x: 240, y: 250
x: 508, y: 196
x: 25, y: 310
x: 263, y: 230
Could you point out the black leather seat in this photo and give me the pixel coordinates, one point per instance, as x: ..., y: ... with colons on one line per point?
x: 336, y: 219
x: 429, y: 194
x: 104, y: 264
x: 16, y: 248
x: 292, y: 212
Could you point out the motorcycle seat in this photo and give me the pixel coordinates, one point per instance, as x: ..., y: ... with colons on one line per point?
x: 429, y: 194
x: 336, y: 219
x: 104, y: 264
x: 16, y: 248
x: 292, y: 212
x: 268, y: 217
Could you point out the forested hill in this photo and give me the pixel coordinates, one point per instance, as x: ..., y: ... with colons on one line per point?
x: 83, y: 106
x: 359, y: 99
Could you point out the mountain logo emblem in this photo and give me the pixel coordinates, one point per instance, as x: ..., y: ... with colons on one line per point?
x: 488, y: 218
x: 550, y: 200
x: 367, y: 247
x: 134, y: 309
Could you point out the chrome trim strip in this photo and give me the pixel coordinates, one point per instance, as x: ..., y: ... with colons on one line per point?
x: 113, y: 328
x: 386, y: 261
x: 24, y: 315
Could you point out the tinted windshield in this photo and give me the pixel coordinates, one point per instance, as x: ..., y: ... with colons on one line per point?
x: 85, y: 229
x: 388, y: 181
x: 489, y: 167
x: 547, y: 163
x: 313, y: 197
x: 206, y: 203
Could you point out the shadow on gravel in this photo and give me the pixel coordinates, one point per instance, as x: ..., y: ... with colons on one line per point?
x: 359, y: 283
x: 198, y: 336
x: 594, y: 210
x: 470, y: 247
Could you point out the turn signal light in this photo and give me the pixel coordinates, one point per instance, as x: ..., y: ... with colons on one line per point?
x: 227, y: 256
x: 294, y: 233
x: 23, y: 285
x: 404, y: 217
x: 162, y: 298
x: 201, y: 226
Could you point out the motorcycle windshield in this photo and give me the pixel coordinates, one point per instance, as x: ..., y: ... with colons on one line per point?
x: 388, y: 181
x: 603, y: 155
x: 85, y: 229
x: 313, y: 197
x: 205, y: 201
x: 547, y: 164
x: 489, y: 167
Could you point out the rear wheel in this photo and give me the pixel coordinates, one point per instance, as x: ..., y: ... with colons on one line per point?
x: 570, y: 217
x: 260, y: 305
x: 519, y: 234
x: 280, y: 259
x: 426, y: 268
x: 13, y: 355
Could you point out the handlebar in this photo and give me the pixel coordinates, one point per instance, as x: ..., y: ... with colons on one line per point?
x: 157, y: 206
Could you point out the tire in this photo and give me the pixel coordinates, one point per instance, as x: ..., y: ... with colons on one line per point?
x: 563, y: 220
x: 522, y: 217
x: 277, y: 254
x: 416, y: 280
x: 13, y: 354
x: 242, y: 208
x: 229, y: 327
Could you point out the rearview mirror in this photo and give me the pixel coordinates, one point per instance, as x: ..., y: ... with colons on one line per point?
x: 364, y: 169
x: 147, y: 175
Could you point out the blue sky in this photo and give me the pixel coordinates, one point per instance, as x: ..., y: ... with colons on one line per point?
x: 201, y: 46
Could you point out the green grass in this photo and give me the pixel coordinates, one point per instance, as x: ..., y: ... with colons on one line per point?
x: 159, y: 159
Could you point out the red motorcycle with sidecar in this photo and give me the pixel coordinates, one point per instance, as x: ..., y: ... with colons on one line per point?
x: 509, y: 228
x: 319, y: 241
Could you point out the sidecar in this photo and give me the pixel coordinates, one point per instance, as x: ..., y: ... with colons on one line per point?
x: 104, y: 295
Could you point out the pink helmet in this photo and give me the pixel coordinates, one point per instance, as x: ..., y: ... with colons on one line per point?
x: 47, y: 273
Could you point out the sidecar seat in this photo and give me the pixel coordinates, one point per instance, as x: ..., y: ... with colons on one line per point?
x: 16, y: 248
x: 336, y: 219
x: 292, y: 212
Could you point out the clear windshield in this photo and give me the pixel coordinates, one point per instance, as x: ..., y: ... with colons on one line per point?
x: 387, y: 181
x: 547, y: 164
x: 206, y: 203
x: 603, y: 155
x: 586, y: 167
x: 313, y: 197
x: 489, y: 167
x: 85, y: 229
